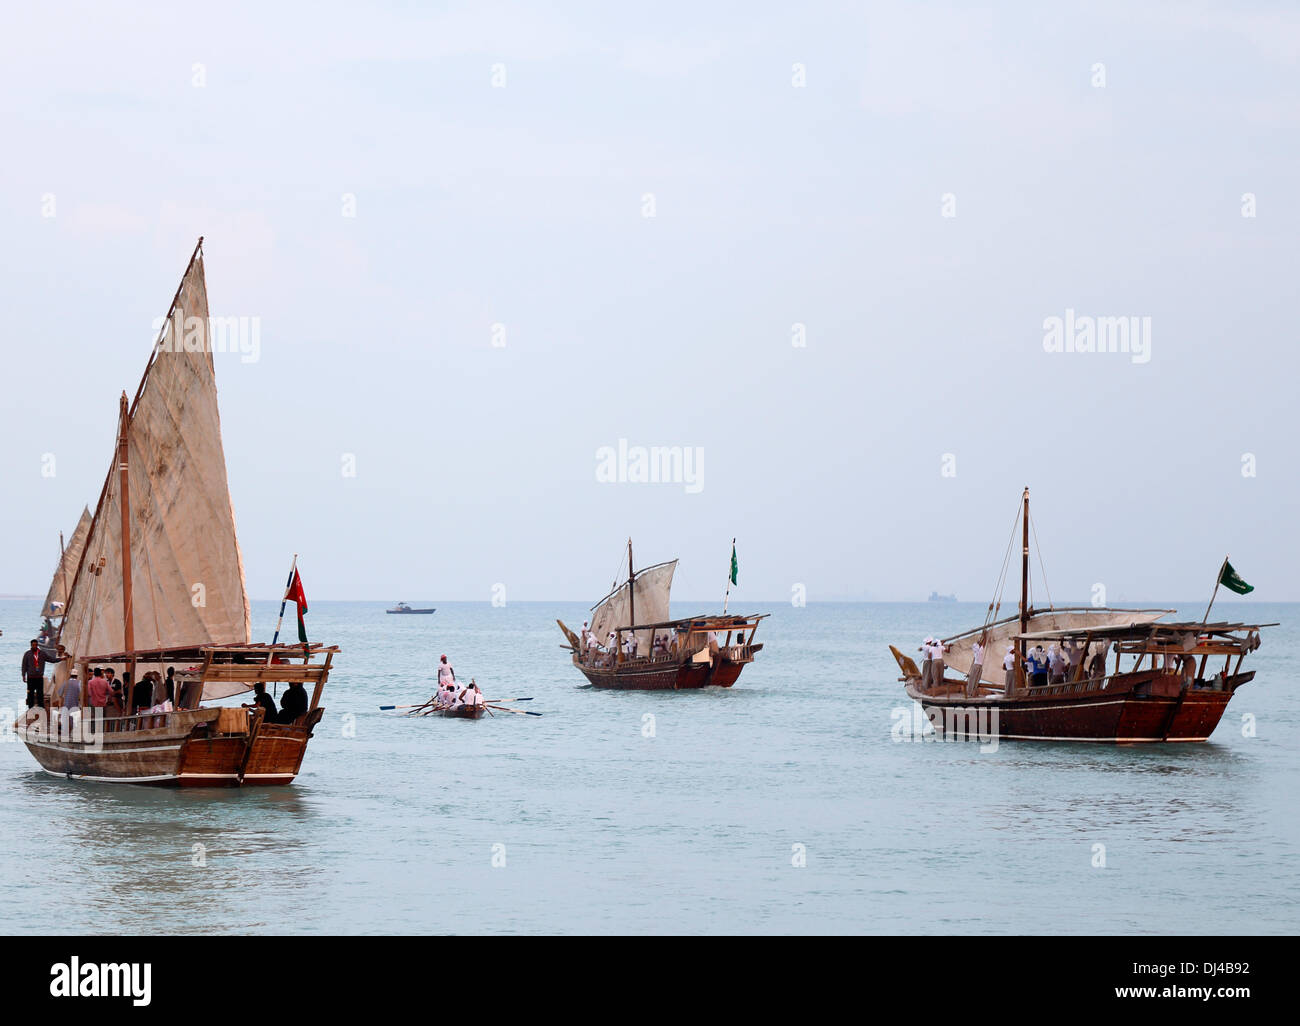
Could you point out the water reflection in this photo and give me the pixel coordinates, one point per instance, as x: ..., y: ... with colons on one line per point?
x: 131, y: 845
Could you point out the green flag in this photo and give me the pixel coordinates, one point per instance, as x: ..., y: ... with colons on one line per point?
x: 1230, y: 579
x: 734, y: 565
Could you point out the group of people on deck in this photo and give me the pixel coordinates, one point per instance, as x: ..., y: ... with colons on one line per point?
x: 293, y: 704
x: 152, y: 693
x: 450, y: 693
x: 1054, y: 665
x: 664, y: 644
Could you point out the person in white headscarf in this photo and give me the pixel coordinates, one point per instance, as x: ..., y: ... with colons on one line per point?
x: 1055, y: 665
x: 937, y: 649
x: 1009, y: 665
x: 926, y: 667
x: 976, y: 666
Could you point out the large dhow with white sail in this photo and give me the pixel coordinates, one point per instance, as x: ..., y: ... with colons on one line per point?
x: 1048, y: 673
x: 159, y: 583
x: 632, y: 644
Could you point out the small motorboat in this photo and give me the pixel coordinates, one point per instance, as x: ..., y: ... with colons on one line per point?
x: 402, y: 607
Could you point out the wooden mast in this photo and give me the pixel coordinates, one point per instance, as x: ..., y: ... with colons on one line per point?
x: 1024, y: 581
x: 128, y: 616
x: 631, y: 587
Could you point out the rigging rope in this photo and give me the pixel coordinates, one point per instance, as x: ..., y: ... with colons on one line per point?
x: 1042, y: 567
x: 990, y: 614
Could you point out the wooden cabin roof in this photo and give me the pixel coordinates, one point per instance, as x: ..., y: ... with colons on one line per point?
x: 1122, y: 632
x: 251, y: 653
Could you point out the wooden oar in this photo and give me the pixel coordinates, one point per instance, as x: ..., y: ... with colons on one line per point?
x: 419, y: 710
x: 517, y: 712
x: 421, y: 705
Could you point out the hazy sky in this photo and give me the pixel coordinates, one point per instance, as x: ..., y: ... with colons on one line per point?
x: 797, y: 158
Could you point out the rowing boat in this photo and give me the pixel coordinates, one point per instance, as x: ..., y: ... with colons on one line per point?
x: 461, y: 712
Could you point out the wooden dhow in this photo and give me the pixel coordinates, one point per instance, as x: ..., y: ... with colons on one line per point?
x: 695, y: 652
x: 1173, y: 687
x: 159, y: 583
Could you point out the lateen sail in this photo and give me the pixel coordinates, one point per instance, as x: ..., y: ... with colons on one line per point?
x: 186, y: 570
x: 67, y: 567
x: 650, y: 591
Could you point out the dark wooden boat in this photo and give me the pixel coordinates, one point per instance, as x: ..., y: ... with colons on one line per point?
x: 1172, y: 689
x: 463, y: 712
x: 158, y: 582
x: 695, y: 652
x: 403, y: 608
x: 213, y: 746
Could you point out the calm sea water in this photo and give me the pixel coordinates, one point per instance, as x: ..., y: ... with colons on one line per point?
x: 393, y: 825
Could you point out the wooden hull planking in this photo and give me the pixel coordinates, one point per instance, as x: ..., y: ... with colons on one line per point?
x: 667, y: 674
x: 1144, y: 707
x: 187, y: 752
x: 464, y: 712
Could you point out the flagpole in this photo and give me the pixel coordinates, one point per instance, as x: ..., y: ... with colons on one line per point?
x: 283, y: 602
x: 1217, y: 581
x: 726, y: 597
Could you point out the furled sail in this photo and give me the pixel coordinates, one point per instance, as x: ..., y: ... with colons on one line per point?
x: 57, y: 597
x: 647, y: 598
x: 999, y: 634
x: 187, y: 575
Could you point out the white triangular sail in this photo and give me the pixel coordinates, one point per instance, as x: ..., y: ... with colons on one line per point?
x: 186, y: 570
x: 648, y: 599
x: 61, y: 583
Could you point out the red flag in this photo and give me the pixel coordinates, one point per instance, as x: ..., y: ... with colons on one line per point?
x: 298, y: 597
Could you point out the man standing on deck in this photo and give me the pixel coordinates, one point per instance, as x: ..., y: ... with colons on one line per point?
x: 33, y: 672
x: 1056, y: 665
x: 1071, y: 650
x: 70, y: 699
x: 446, y: 675
x: 976, y: 667
x: 97, y: 691
x: 936, y: 662
x: 1037, y: 661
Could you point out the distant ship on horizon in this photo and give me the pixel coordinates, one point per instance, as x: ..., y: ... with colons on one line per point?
x: 936, y: 597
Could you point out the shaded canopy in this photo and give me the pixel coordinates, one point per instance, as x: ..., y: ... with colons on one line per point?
x: 1000, y: 633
